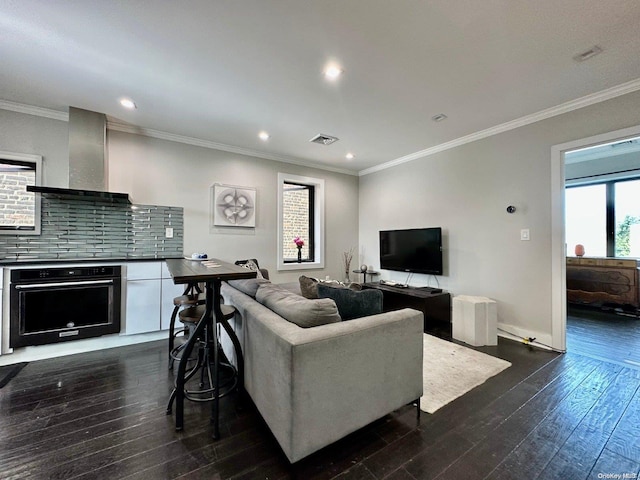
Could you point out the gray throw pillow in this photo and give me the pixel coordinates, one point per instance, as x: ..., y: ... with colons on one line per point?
x: 353, y: 303
x: 251, y: 265
x: 249, y: 286
x: 308, y: 286
x: 296, y: 309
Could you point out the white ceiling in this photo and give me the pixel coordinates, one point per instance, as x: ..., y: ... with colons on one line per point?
x: 222, y: 70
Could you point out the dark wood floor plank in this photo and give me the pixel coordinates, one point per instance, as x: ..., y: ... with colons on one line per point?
x: 625, y: 439
x: 481, y: 426
x: 604, y: 334
x: 610, y: 463
x: 464, y: 410
x: 486, y: 456
x: 544, y: 441
x: 577, y: 456
x: 359, y: 472
x: 400, y: 474
x: 108, y: 421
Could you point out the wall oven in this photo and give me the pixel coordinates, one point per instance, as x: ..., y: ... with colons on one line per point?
x: 49, y: 305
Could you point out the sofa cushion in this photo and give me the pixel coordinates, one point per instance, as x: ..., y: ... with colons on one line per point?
x: 252, y: 265
x: 249, y: 286
x: 296, y: 309
x: 309, y: 286
x: 353, y: 303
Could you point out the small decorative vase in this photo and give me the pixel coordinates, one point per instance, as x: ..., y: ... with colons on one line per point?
x: 346, y: 277
x: 299, y: 254
x: 579, y: 250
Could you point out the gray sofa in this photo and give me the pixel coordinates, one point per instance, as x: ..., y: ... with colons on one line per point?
x: 315, y: 385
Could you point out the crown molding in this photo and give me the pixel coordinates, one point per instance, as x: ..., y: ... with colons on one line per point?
x: 172, y: 137
x: 587, y: 100
x: 32, y: 110
x: 148, y: 132
x: 566, y: 107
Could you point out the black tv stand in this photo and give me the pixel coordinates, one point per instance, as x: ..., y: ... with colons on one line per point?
x: 434, y: 303
x: 429, y: 289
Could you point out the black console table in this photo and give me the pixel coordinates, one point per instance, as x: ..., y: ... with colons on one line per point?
x: 436, y: 307
x: 371, y: 273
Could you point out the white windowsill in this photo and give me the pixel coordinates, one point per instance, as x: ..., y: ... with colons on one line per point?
x: 301, y: 266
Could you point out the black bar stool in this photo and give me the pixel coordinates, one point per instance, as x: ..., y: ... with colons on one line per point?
x: 191, y: 297
x: 190, y: 317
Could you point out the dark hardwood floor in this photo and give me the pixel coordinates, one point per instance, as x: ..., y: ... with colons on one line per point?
x: 604, y: 334
x: 102, y: 415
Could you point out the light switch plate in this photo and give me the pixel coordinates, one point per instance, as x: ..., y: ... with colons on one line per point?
x: 168, y: 232
x: 524, y: 234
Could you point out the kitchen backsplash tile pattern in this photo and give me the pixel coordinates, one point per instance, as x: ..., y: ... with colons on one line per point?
x: 85, y: 229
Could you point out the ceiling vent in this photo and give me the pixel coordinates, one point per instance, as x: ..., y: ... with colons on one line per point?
x: 587, y: 54
x: 323, y: 139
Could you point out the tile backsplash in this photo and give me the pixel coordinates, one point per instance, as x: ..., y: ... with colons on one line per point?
x: 100, y: 229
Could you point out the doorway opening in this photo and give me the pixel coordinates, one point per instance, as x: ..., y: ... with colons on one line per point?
x: 601, y: 233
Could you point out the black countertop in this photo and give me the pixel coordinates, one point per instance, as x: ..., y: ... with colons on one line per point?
x: 6, y: 262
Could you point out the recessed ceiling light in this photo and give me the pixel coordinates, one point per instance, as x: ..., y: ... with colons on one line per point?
x: 264, y: 136
x: 332, y: 72
x: 128, y: 103
x: 350, y: 156
x: 439, y: 117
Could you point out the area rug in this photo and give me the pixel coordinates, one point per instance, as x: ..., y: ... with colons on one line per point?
x: 451, y: 370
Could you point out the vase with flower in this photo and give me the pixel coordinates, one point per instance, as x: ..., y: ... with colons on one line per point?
x: 299, y: 244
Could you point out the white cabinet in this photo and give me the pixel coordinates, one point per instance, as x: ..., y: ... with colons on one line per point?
x: 149, y: 297
x: 169, y: 291
x: 143, y: 297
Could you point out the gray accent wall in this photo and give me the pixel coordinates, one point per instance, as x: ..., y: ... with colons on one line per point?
x: 158, y: 171
x: 161, y: 172
x: 465, y: 190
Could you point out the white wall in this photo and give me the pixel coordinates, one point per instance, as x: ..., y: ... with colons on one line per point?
x: 466, y: 191
x: 161, y: 172
x: 22, y: 133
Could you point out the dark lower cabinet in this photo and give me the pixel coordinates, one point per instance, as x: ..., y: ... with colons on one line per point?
x: 436, y: 307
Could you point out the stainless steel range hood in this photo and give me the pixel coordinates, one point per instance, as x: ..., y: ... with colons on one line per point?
x: 87, y: 159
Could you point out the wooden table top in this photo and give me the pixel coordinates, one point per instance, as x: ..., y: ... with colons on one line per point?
x: 187, y: 271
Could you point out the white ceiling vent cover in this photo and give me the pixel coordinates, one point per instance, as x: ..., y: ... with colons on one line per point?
x: 323, y: 139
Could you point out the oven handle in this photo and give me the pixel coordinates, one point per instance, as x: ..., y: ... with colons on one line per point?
x: 63, y: 284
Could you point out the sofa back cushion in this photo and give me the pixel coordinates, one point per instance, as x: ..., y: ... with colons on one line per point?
x: 249, y: 286
x: 296, y: 309
x: 351, y: 303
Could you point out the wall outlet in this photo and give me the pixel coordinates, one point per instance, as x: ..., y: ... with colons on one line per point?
x: 524, y: 234
x: 168, y: 232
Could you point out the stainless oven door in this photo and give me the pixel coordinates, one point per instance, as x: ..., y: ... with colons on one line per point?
x: 49, y: 312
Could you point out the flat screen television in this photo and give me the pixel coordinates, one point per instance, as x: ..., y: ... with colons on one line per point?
x: 416, y: 250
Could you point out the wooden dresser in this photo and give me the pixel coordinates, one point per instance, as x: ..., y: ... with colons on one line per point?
x: 596, y: 281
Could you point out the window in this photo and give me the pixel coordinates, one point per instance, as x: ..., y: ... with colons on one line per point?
x: 627, y: 218
x: 300, y: 214
x: 586, y: 219
x: 19, y: 209
x: 605, y: 218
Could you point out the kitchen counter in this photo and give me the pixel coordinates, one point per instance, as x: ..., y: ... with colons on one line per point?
x: 44, y: 261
